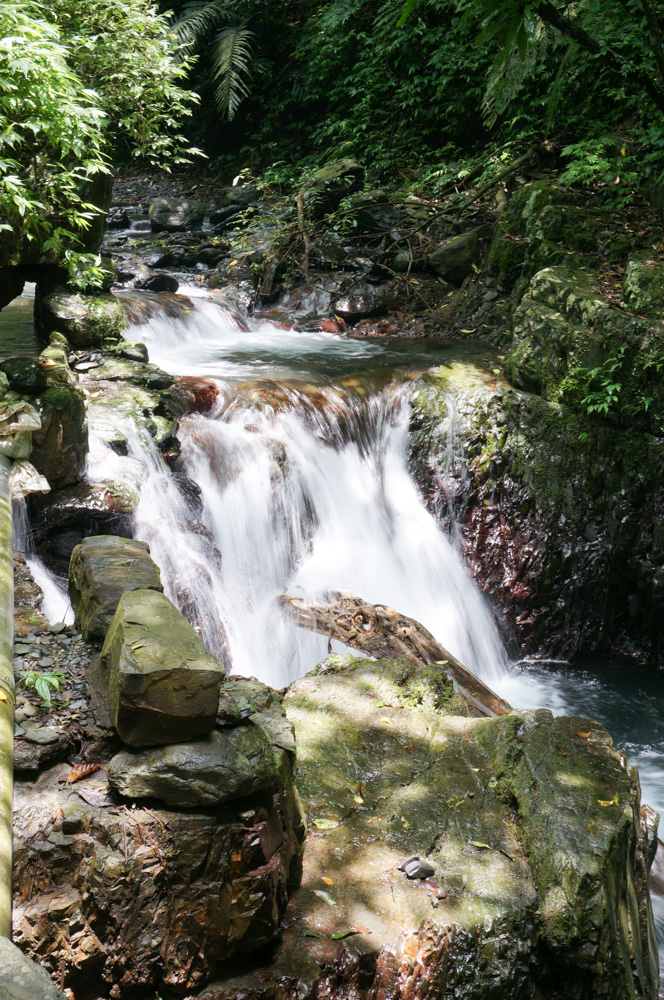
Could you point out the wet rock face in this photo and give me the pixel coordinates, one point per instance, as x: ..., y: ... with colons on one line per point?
x: 61, y: 519
x: 101, y: 569
x: 163, y: 685
x: 563, y: 531
x: 529, y: 864
x: 146, y: 900
x: 60, y: 447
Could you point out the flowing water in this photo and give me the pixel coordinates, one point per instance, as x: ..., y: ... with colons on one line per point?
x: 302, y: 486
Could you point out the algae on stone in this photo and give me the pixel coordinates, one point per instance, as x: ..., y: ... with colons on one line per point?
x: 163, y: 685
x: 101, y: 569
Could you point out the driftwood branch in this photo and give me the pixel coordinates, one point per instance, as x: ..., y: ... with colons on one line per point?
x: 383, y: 633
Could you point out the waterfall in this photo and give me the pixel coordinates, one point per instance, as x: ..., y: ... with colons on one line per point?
x: 304, y: 488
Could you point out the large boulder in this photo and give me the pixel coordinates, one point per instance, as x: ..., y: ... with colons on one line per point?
x: 23, y: 979
x: 85, y: 320
x: 163, y: 685
x: 209, y: 771
x: 528, y: 831
x: 101, y: 569
x: 175, y: 215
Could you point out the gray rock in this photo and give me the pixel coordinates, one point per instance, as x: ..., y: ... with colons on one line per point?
x: 175, y: 215
x: 44, y: 736
x: 23, y: 979
x: 101, y: 569
x: 163, y: 684
x: 211, y: 770
x: 455, y: 257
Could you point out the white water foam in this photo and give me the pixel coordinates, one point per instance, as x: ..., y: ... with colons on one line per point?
x: 303, y: 491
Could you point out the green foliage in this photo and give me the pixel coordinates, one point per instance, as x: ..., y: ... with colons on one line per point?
x: 230, y: 49
x: 43, y: 682
x: 125, y: 50
x: 603, y: 385
x: 50, y: 141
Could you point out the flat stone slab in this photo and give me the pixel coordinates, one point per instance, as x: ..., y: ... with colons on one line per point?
x: 529, y: 823
x: 163, y: 685
x: 101, y: 569
x: 216, y: 768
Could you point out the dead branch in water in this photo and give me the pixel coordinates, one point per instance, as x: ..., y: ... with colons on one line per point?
x: 382, y: 633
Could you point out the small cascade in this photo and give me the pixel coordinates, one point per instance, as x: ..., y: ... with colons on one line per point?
x: 304, y: 488
x: 55, y: 606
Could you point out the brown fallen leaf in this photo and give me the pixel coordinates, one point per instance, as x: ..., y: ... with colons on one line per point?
x: 584, y: 736
x: 377, y: 819
x: 83, y: 770
x: 606, y: 802
x: 561, y: 749
x: 328, y: 881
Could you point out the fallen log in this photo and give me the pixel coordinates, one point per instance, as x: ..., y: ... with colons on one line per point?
x: 382, y: 633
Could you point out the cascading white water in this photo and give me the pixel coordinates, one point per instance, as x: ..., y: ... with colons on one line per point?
x: 304, y: 489
x: 55, y: 605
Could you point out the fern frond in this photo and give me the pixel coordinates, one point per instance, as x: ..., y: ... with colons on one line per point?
x: 200, y: 18
x: 233, y: 50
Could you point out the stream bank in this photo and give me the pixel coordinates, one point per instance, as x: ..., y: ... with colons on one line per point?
x: 313, y: 421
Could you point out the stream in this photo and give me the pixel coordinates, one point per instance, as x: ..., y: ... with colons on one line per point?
x: 302, y: 485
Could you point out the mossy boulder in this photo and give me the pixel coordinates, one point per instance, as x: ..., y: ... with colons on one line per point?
x: 571, y: 345
x: 323, y: 193
x: 643, y: 286
x: 387, y: 771
x: 163, y: 685
x: 85, y: 320
x: 101, y: 569
x: 455, y: 258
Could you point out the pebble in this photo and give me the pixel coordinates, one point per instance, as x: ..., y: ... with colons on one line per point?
x: 58, y: 628
x: 29, y: 710
x: 19, y: 715
x: 47, y: 661
x: 20, y: 648
x: 17, y: 730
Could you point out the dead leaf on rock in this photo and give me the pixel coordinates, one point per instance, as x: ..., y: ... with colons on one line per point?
x: 83, y: 770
